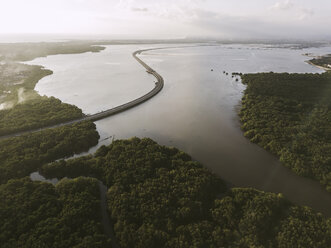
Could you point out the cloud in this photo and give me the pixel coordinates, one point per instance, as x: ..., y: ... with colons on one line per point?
x: 294, y: 10
x: 305, y: 13
x: 207, y: 18
x: 250, y: 27
x: 139, y: 9
x: 286, y: 5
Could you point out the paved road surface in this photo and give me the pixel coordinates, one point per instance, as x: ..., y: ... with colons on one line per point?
x: 101, y: 115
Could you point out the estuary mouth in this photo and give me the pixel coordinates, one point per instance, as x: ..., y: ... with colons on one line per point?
x: 158, y: 124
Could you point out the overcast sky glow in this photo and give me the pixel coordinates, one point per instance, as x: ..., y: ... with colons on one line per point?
x: 226, y: 19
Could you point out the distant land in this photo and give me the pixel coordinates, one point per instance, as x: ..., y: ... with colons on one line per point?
x: 137, y: 193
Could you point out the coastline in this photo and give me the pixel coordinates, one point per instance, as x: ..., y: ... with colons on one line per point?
x: 318, y: 66
x: 100, y: 115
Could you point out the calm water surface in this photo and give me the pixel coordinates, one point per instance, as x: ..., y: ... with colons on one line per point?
x: 196, y: 111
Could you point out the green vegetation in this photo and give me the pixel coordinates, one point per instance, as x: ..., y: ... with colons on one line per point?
x: 35, y: 214
x: 19, y: 156
x: 289, y: 115
x: 324, y: 61
x: 29, y: 51
x: 37, y: 113
x: 159, y: 197
x: 17, y: 82
x: 24, y: 109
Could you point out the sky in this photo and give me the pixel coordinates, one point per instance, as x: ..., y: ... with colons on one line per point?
x: 222, y: 19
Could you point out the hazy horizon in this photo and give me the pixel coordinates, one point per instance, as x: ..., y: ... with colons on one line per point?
x: 143, y: 19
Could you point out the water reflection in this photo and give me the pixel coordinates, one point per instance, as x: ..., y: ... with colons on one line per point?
x: 197, y: 109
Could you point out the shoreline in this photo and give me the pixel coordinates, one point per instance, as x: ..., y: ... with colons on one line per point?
x: 318, y: 66
x: 123, y: 107
x: 104, y: 114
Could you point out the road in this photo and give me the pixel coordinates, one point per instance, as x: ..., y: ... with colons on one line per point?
x: 105, y: 220
x: 101, y: 115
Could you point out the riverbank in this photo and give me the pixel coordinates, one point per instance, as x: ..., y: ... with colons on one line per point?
x: 98, y: 116
x: 322, y: 62
x: 157, y: 195
x: 195, y: 112
x: 318, y: 66
x: 14, y: 52
x: 18, y: 82
x: 23, y: 110
x: 20, y: 156
x: 140, y: 186
x: 287, y: 114
x: 15, y: 75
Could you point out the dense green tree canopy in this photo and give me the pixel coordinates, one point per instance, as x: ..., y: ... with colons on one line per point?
x: 324, y: 61
x: 289, y: 115
x: 159, y: 197
x: 35, y: 214
x: 36, y: 113
x: 19, y: 156
x: 18, y: 76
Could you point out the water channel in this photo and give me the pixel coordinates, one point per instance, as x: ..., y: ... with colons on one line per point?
x: 196, y: 111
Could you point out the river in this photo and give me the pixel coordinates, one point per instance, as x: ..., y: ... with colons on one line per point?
x: 196, y: 111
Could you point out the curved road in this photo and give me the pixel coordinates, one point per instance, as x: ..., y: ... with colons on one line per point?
x: 158, y: 87
x: 100, y: 115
